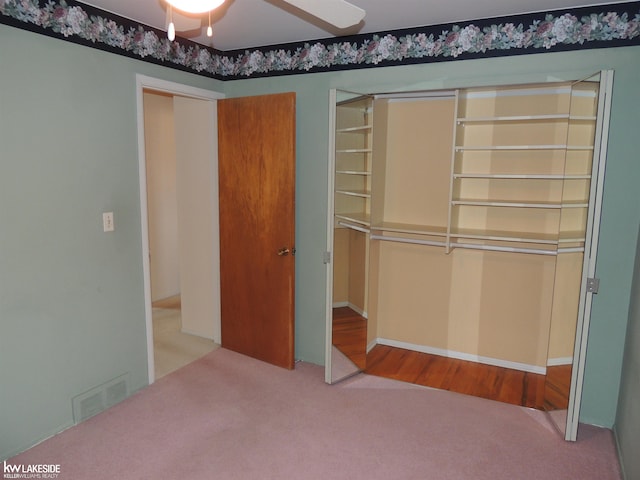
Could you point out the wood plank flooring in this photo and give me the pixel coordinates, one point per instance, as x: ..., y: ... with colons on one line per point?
x: 350, y: 335
x: 548, y: 392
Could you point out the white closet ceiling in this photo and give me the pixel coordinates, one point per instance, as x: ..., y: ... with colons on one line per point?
x: 241, y: 24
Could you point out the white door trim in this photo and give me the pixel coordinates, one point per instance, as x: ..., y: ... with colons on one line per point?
x: 590, y: 253
x: 144, y: 82
x: 328, y: 342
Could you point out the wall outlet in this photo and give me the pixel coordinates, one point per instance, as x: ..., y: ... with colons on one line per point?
x: 107, y: 222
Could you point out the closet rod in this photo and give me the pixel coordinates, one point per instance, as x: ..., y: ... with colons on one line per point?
x: 353, y: 227
x: 471, y: 246
x: 408, y: 240
x: 495, y: 248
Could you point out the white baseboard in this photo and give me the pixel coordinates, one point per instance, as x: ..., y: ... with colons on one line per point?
x: 496, y: 362
x: 196, y: 334
x: 351, y: 306
x: 554, y: 362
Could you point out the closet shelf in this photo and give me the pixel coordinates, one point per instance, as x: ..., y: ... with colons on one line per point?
x: 355, y: 193
x: 355, y: 217
x: 500, y: 203
x: 580, y: 147
x: 408, y: 228
x: 354, y: 150
x: 512, y: 147
x: 517, y: 237
x: 356, y: 129
x: 502, y: 248
x: 353, y: 172
x: 414, y: 241
x: 521, y: 176
x: 353, y: 161
x: 582, y: 118
x: 357, y: 228
x: 449, y: 246
x: 514, y: 118
x: 527, y: 118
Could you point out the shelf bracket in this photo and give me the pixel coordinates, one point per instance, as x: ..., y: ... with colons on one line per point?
x: 593, y: 285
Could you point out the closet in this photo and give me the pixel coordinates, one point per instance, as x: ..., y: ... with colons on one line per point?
x: 463, y: 219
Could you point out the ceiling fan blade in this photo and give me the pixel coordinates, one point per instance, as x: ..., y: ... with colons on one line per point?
x: 339, y: 13
x: 182, y: 22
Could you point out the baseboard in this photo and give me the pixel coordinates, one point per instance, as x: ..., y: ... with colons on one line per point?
x: 555, y: 362
x: 195, y: 334
x: 496, y: 362
x: 358, y: 310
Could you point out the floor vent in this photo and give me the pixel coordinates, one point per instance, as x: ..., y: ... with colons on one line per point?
x: 98, y: 399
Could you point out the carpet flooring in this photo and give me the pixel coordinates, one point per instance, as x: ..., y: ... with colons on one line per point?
x: 227, y: 416
x: 174, y: 349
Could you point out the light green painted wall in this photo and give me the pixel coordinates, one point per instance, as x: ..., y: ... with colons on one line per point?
x: 620, y: 215
x: 71, y: 297
x: 627, y: 427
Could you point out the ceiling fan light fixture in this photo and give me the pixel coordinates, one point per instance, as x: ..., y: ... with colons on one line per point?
x: 209, y: 29
x: 195, y: 6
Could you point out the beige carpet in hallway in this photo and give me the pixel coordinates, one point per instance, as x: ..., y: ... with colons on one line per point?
x: 172, y: 348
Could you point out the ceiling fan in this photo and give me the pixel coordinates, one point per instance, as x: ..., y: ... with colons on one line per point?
x: 339, y: 13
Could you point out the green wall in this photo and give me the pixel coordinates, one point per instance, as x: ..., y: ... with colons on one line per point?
x: 627, y: 426
x: 71, y: 296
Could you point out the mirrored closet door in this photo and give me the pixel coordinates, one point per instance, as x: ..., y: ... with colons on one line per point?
x: 463, y: 226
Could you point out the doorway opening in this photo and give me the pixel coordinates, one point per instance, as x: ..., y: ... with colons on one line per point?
x: 474, y: 257
x: 172, y: 348
x: 177, y: 150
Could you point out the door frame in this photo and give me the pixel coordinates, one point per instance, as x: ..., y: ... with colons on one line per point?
x: 164, y: 86
x: 601, y: 142
x: 328, y: 255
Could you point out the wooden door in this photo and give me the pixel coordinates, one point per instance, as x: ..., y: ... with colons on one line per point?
x: 257, y: 193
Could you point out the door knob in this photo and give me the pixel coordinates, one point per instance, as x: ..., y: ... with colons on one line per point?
x: 283, y: 252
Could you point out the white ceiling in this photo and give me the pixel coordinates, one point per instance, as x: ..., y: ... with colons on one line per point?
x: 252, y: 23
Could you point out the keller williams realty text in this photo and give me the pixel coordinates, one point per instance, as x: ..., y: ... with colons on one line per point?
x: 30, y: 471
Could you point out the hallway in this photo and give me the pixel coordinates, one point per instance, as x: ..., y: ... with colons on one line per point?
x: 172, y: 348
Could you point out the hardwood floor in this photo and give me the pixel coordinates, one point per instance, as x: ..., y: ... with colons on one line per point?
x: 350, y: 335
x: 542, y: 392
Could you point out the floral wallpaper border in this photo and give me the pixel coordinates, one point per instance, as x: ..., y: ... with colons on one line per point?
x: 599, y: 26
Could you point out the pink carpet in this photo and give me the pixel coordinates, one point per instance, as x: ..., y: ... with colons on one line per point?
x: 228, y: 416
